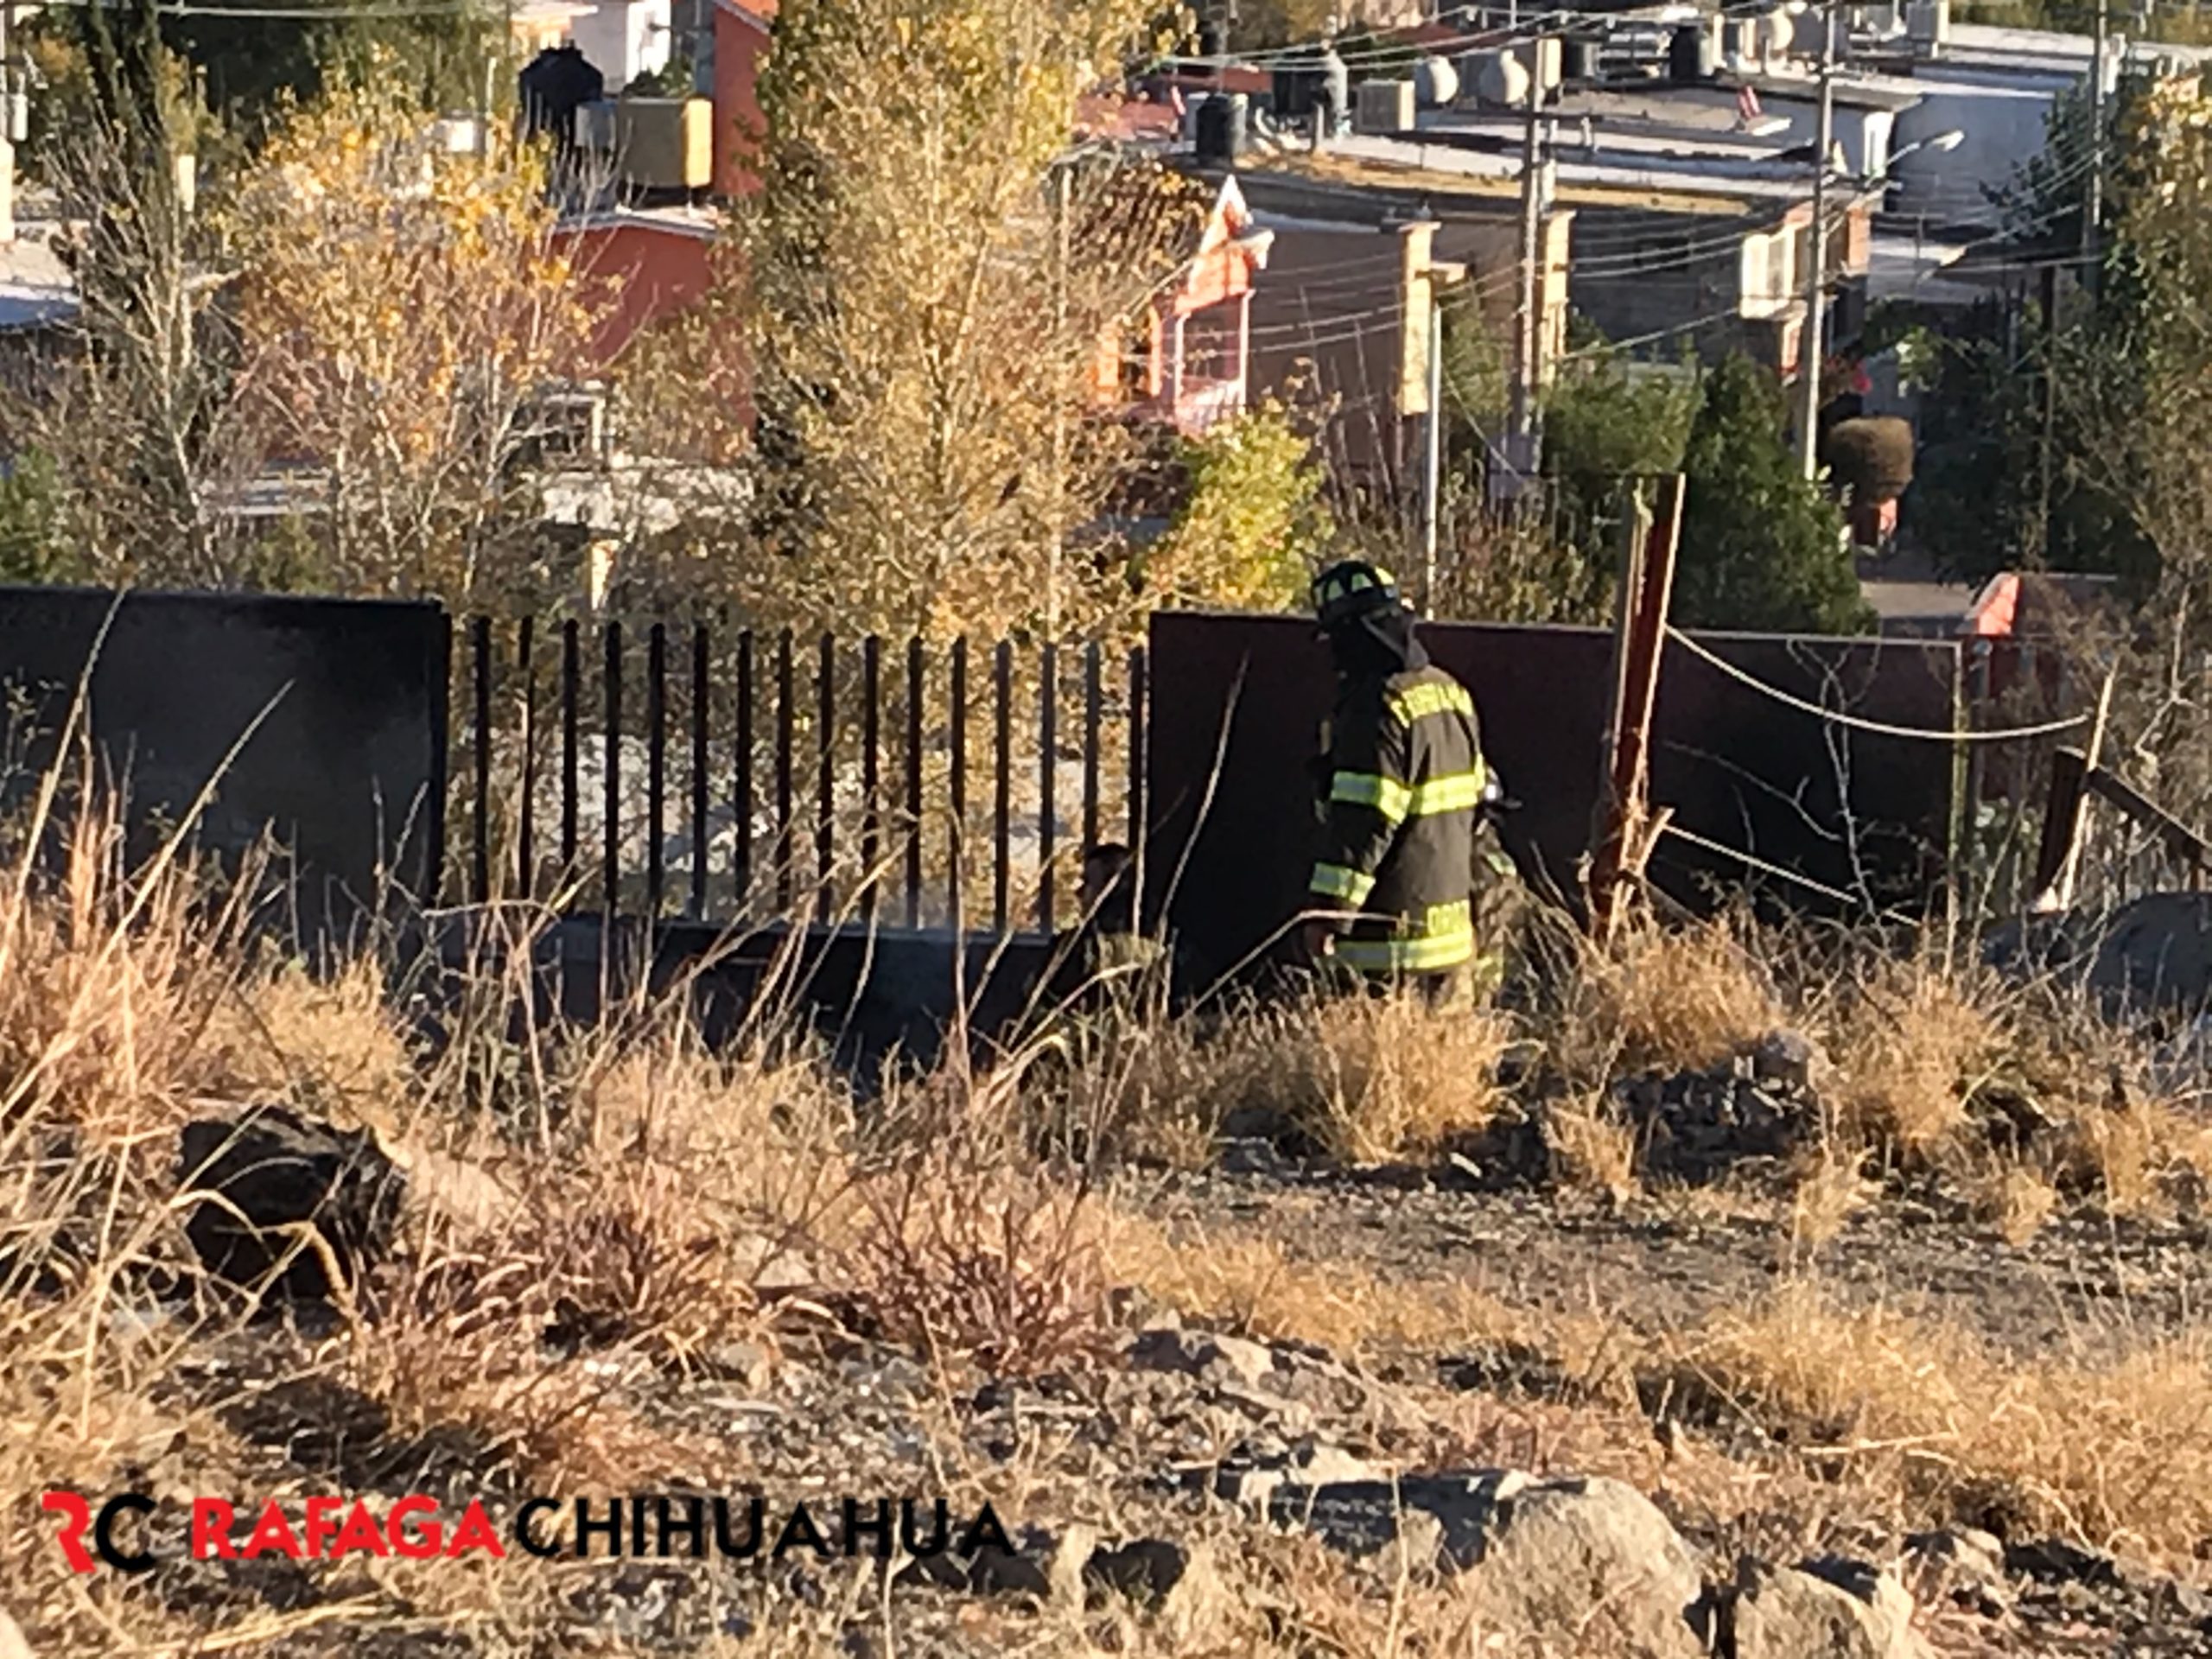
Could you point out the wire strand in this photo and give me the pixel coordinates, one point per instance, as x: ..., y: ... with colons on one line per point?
x: 1878, y: 728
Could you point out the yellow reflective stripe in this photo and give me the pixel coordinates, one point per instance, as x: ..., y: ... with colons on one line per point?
x: 1458, y: 792
x: 1335, y: 881
x: 1409, y: 956
x: 1448, y: 917
x: 1431, y: 697
x: 1386, y: 795
x: 1444, y: 938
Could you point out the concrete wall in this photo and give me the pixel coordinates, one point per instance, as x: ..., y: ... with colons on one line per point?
x: 650, y: 272
x: 346, y: 768
x: 2005, y: 122
x: 1326, y: 323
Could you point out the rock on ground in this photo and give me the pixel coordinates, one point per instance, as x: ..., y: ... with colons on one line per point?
x: 1824, y: 1610
x: 276, y: 1186
x: 1593, y: 1555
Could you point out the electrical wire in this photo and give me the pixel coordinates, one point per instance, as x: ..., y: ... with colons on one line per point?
x: 1877, y: 728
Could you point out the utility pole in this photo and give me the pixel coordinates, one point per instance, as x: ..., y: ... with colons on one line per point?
x: 1810, y: 346
x: 1626, y: 828
x: 1422, y: 278
x: 1432, y: 471
x: 12, y: 90
x: 1528, y: 314
x: 2094, y: 211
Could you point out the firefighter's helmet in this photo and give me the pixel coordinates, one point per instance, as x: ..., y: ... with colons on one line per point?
x: 1353, y: 588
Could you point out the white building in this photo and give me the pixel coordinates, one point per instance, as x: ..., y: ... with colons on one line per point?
x: 625, y: 39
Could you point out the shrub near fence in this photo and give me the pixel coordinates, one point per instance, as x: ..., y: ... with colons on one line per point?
x: 670, y: 770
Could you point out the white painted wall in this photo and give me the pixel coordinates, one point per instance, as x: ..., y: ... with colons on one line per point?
x: 625, y: 39
x: 2004, y: 120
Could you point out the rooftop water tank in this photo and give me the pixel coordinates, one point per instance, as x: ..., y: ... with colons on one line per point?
x: 1502, y: 78
x: 1690, y: 56
x: 1436, y: 83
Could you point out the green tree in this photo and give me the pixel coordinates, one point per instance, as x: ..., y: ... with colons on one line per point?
x: 33, y: 545
x: 1252, y: 526
x: 1604, y: 421
x: 1761, y: 546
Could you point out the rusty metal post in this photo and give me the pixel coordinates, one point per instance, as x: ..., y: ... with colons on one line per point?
x: 1640, y: 638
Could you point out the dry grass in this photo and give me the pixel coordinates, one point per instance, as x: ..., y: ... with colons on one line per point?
x: 1913, y: 1043
x: 1592, y: 1145
x: 651, y: 1207
x: 1674, y: 999
x: 2112, y: 1452
x: 1371, y: 1078
x: 1362, y: 1079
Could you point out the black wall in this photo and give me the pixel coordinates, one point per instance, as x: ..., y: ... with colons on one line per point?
x: 346, y: 769
x: 1736, y: 767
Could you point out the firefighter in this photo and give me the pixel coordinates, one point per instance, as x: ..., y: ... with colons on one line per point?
x: 1403, y: 790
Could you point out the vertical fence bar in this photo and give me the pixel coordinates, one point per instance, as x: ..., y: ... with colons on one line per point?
x: 527, y: 830
x: 480, y: 856
x: 783, y: 718
x: 826, y: 805
x: 1002, y: 755
x: 1138, y: 686
x: 1048, y: 761
x: 572, y: 695
x: 871, y: 768
x: 656, y: 767
x: 697, y: 906
x: 741, y: 853
x: 914, y: 782
x: 611, y: 769
x: 1093, y: 700
x: 957, y: 820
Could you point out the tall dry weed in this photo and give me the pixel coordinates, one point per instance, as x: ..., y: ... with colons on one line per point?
x: 1372, y: 1079
x: 2110, y: 1450
x: 1911, y: 1042
x: 1668, y: 998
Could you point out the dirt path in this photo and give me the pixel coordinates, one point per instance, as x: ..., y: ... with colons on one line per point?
x: 2079, y: 1287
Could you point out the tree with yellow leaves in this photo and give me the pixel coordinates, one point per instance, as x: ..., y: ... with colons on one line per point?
x: 928, y: 270
x: 399, y: 306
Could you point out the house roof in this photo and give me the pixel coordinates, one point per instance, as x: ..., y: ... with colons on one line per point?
x: 1362, y: 166
x: 758, y: 13
x: 703, y: 223
x: 1107, y: 115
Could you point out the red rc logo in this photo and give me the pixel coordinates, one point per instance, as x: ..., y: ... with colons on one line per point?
x: 324, y: 1530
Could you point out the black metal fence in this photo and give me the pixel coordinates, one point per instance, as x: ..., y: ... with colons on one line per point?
x: 688, y: 771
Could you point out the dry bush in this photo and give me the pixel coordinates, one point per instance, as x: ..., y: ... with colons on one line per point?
x: 974, y: 1258
x: 1828, y: 1189
x: 1591, y: 1145
x: 1370, y: 1078
x: 1139, y: 1084
x: 1676, y: 998
x: 1911, y: 1042
x: 2113, y: 1450
x: 1364, y: 1078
